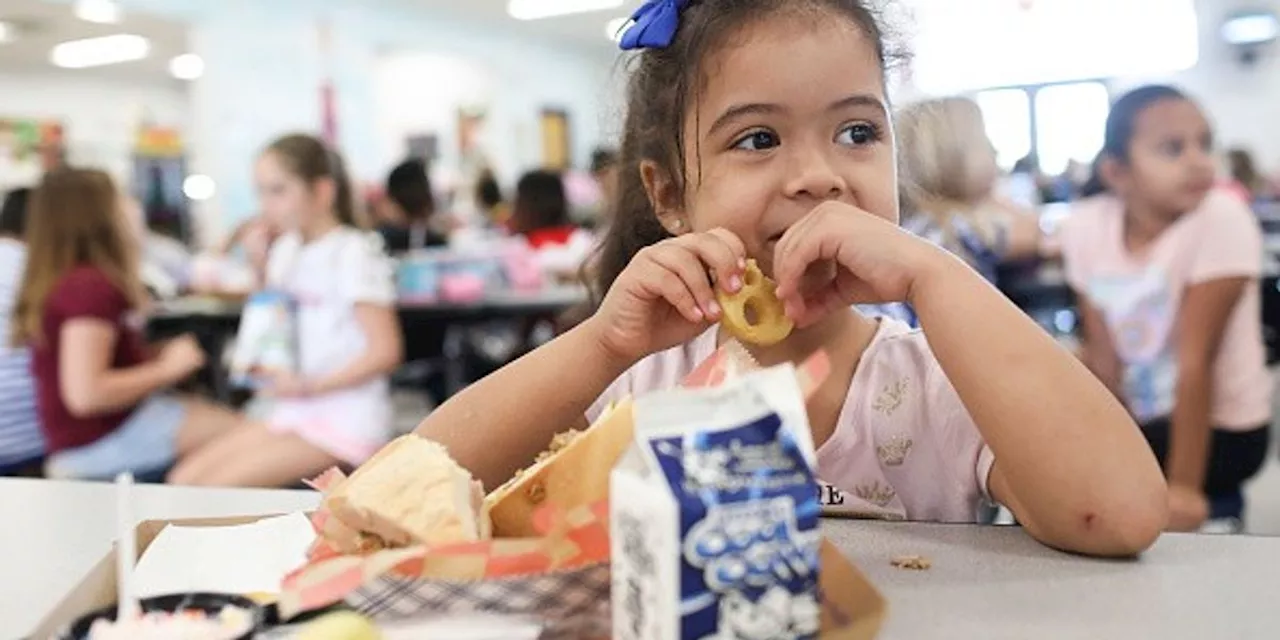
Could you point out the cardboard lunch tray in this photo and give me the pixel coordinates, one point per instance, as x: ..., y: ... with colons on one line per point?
x: 97, y: 589
x: 852, y: 607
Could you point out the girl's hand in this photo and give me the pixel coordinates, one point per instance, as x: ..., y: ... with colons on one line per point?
x: 287, y: 385
x: 665, y: 296
x: 839, y: 255
x: 181, y: 356
x: 1188, y: 508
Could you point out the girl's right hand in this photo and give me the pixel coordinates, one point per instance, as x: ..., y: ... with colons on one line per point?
x: 666, y: 296
x: 182, y: 356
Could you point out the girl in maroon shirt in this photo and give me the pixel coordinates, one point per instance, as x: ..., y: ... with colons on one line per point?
x: 100, y: 391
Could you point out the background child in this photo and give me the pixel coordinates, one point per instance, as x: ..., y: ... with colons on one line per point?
x: 337, y: 409
x: 100, y: 391
x: 413, y: 204
x: 760, y: 128
x: 1166, y: 272
x: 948, y: 177
x: 21, y: 445
x: 541, y: 214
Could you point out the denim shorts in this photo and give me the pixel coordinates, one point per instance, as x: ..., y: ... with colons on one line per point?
x: 145, y: 442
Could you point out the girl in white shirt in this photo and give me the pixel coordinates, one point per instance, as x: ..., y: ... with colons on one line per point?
x: 336, y: 409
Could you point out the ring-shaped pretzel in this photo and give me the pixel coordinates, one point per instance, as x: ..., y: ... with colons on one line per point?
x: 754, y: 314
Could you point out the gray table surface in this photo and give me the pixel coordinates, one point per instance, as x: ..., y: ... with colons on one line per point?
x: 986, y: 582
x: 996, y: 583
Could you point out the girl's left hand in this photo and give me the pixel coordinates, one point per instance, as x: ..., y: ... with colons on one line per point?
x: 288, y: 385
x: 839, y: 255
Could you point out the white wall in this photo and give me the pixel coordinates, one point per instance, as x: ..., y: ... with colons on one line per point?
x: 100, y: 116
x: 1244, y: 103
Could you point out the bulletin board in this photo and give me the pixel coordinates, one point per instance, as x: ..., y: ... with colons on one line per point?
x: 555, y: 139
x: 28, y: 148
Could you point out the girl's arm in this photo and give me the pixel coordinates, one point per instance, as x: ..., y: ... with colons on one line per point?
x: 1098, y: 353
x: 1202, y: 319
x: 1069, y: 461
x: 384, y: 349
x: 88, y: 384
x: 499, y: 424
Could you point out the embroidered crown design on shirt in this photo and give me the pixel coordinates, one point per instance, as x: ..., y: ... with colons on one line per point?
x: 892, y: 397
x: 876, y: 493
x: 894, y: 452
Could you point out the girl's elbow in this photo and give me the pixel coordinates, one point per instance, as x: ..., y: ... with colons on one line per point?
x: 79, y: 403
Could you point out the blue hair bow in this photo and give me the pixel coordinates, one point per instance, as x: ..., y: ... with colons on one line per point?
x: 653, y: 25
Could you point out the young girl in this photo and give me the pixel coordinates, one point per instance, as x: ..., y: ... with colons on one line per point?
x: 1166, y: 272
x: 337, y: 409
x: 759, y: 128
x: 99, y: 389
x: 541, y: 215
x: 949, y: 175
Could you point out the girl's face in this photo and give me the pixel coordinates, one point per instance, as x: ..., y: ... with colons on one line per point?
x: 1171, y: 162
x: 288, y: 201
x: 792, y: 114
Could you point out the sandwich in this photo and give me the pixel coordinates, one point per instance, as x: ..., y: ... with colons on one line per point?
x: 572, y: 473
x: 408, y: 494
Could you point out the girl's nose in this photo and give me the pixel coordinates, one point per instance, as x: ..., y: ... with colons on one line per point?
x: 813, y: 175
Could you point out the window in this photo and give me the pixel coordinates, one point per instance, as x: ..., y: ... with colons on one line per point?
x: 1070, y: 124
x: 1058, y: 122
x: 1007, y: 113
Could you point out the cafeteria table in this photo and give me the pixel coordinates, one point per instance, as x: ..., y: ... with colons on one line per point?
x: 425, y: 324
x: 985, y: 582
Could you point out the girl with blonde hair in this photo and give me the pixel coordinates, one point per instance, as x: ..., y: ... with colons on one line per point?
x: 948, y: 176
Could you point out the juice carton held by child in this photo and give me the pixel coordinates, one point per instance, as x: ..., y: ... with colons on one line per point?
x: 715, y: 515
x: 267, y: 341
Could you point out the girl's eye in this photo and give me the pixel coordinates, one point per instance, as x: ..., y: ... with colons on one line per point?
x: 1172, y: 149
x: 757, y: 141
x: 858, y: 134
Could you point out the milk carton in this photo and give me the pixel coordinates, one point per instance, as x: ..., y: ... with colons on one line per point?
x: 714, y: 515
x: 267, y: 342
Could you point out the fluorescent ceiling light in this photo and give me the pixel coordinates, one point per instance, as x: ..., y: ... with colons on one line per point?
x: 7, y: 32
x: 1255, y: 28
x: 96, y: 52
x: 100, y: 11
x: 187, y: 66
x: 537, y: 9
x: 615, y: 28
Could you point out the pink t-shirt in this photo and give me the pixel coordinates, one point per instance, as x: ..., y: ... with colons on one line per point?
x: 1139, y: 298
x: 904, y: 445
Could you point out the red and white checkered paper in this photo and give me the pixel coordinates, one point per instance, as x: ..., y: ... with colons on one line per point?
x: 562, y: 577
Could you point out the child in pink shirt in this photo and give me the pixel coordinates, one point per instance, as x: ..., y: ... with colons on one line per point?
x: 761, y: 129
x: 1166, y: 271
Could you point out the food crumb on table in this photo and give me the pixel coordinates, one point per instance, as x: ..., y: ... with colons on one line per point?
x: 912, y: 563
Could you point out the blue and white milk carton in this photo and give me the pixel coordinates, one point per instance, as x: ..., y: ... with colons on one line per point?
x: 714, y: 515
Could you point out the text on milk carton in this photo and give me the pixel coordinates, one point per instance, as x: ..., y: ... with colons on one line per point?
x: 715, y: 515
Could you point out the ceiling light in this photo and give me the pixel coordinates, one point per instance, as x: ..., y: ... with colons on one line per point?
x: 537, y: 9
x: 96, y: 52
x: 614, y: 29
x: 100, y: 11
x: 1250, y: 29
x: 199, y: 187
x: 7, y: 32
x: 187, y: 66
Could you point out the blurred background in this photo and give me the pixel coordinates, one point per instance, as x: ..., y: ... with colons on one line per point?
x: 176, y: 99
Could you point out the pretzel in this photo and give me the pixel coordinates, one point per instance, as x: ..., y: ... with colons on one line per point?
x: 754, y: 314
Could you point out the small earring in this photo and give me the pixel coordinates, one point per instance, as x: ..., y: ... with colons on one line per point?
x: 678, y: 224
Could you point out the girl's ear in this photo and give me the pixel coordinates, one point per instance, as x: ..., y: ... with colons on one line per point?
x: 664, y: 196
x: 1115, y: 175
x: 325, y: 192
